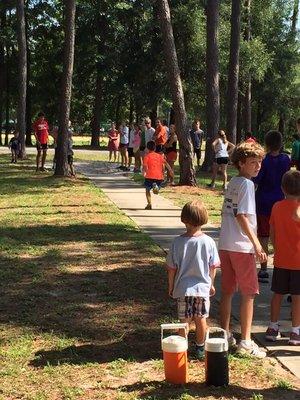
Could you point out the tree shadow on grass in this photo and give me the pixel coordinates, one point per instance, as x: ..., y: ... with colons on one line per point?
x: 164, y: 391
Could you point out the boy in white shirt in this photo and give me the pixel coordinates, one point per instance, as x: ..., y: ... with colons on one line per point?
x: 238, y: 245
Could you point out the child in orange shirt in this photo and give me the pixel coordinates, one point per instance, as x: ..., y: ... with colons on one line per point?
x: 154, y: 167
x: 285, y: 236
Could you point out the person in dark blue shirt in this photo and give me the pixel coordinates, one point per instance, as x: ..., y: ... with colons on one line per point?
x: 196, y: 135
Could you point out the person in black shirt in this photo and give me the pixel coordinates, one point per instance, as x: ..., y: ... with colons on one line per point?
x: 15, y: 146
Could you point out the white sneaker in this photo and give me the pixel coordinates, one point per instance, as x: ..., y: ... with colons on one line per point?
x: 253, y: 350
x: 155, y: 188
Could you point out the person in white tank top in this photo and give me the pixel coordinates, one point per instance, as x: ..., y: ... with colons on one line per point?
x: 222, y: 149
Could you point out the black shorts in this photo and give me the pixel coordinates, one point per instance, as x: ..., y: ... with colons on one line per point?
x: 159, y: 148
x: 70, y: 159
x: 197, y: 152
x: 130, y: 152
x: 286, y: 281
x: 149, y: 183
x: 41, y: 146
x: 222, y: 160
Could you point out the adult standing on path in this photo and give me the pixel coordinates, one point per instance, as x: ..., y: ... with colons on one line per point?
x: 113, y: 141
x: 124, y: 142
x: 196, y: 135
x: 222, y: 147
x: 160, y: 136
x: 41, y: 133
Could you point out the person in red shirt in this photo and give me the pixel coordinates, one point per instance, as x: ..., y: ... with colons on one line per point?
x: 154, y: 167
x: 160, y: 136
x: 41, y: 133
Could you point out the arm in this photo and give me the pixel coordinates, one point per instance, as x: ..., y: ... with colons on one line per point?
x: 212, y: 274
x: 243, y: 221
x: 272, y: 236
x: 171, y: 279
x: 168, y: 168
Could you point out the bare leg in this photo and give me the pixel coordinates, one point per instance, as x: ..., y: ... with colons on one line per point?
x: 224, y: 174
x: 115, y: 155
x: 201, y: 328
x: 225, y: 310
x: 214, y: 173
x: 110, y: 155
x: 275, y: 306
x: 246, y: 316
x: 44, y: 155
x: 38, y: 158
x: 295, y: 310
x: 148, y: 197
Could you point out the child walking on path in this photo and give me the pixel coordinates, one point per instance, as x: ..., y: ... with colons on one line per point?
x: 191, y: 264
x: 154, y: 165
x: 268, y: 191
x: 285, y: 236
x: 15, y: 146
x: 238, y: 245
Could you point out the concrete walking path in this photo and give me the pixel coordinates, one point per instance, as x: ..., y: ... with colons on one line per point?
x: 162, y: 223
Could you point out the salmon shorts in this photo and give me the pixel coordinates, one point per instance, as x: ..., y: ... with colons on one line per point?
x: 238, y: 272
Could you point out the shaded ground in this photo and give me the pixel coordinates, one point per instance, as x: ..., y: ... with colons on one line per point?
x: 83, y: 295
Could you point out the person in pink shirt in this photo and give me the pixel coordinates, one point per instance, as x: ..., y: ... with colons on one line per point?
x: 41, y: 133
x: 113, y: 141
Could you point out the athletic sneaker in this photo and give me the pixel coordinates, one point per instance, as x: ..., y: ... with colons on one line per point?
x: 253, y: 350
x: 272, y: 334
x: 263, y: 276
x: 200, y: 352
x: 294, y: 339
x: 155, y: 188
x: 231, y: 341
x: 148, y: 207
x: 211, y: 185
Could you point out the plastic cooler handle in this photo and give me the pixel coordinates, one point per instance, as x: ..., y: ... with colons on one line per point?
x: 217, y: 329
x: 181, y: 325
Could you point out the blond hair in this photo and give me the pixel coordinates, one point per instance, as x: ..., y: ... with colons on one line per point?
x: 194, y: 213
x: 246, y: 150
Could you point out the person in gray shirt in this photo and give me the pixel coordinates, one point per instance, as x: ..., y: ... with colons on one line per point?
x: 191, y: 264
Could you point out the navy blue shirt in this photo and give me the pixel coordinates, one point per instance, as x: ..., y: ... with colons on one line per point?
x: 196, y: 137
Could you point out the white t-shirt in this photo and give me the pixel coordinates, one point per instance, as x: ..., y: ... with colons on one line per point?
x: 131, y: 137
x: 124, y: 135
x: 149, y: 134
x: 239, y: 199
x: 221, y: 149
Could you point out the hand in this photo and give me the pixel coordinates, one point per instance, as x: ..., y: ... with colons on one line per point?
x: 170, y: 292
x: 212, y: 290
x: 260, y: 254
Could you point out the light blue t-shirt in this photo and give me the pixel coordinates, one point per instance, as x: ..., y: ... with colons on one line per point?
x: 192, y: 257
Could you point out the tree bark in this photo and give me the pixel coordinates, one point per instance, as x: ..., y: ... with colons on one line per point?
x: 187, y: 172
x: 7, y: 93
x: 212, y: 80
x: 28, y: 140
x: 22, y: 74
x: 233, y: 71
x: 95, y: 124
x: 2, y: 71
x: 295, y: 17
x: 248, y: 88
x: 66, y: 89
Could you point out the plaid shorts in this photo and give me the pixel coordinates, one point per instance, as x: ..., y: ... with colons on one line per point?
x: 192, y: 306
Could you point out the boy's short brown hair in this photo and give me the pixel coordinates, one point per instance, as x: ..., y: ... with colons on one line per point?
x: 246, y: 150
x: 291, y: 183
x: 194, y: 213
x: 273, y: 141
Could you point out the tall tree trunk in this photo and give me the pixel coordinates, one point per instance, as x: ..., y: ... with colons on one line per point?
x: 281, y: 123
x: 239, y: 124
x: 22, y: 73
x: 295, y: 17
x: 212, y: 80
x: 28, y: 140
x: 95, y: 124
x: 2, y: 71
x: 131, y: 109
x: 233, y: 71
x: 7, y: 93
x: 117, y: 112
x: 187, y: 172
x: 66, y: 90
x: 248, y: 86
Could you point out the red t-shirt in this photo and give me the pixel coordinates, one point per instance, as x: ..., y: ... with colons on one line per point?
x: 286, y: 229
x: 41, y: 129
x: 153, y: 164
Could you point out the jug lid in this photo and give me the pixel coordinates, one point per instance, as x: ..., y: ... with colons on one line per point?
x: 216, y: 345
x: 174, y: 344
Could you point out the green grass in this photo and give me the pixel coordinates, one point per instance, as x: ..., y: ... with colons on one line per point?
x: 83, y: 293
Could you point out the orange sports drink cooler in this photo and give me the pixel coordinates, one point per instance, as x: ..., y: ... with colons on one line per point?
x: 174, y: 349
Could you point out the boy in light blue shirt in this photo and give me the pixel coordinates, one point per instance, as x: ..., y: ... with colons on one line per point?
x: 191, y: 264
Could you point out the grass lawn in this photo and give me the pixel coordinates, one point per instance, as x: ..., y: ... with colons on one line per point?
x: 83, y: 295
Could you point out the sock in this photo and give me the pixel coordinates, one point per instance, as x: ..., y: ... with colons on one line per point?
x: 296, y: 329
x: 274, y: 325
x: 246, y: 343
x: 200, y: 345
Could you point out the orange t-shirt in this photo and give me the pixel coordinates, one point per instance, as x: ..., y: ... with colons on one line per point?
x: 160, y: 135
x: 286, y: 229
x: 153, y: 164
